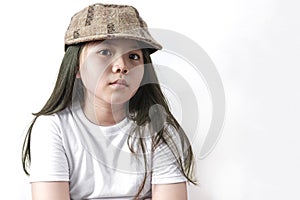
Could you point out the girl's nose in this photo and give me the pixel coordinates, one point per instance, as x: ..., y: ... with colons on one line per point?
x: 119, y: 66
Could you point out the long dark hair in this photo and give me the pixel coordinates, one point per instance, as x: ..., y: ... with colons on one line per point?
x: 148, y: 96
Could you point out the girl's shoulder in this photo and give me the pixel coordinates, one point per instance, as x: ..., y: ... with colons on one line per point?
x: 53, y: 121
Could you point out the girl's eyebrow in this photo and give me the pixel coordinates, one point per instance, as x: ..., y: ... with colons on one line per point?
x: 134, y: 48
x: 107, y: 42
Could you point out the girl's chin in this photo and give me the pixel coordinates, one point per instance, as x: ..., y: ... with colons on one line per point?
x: 115, y: 97
x: 117, y: 100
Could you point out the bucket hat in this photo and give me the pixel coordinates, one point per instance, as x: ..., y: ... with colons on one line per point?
x: 109, y: 21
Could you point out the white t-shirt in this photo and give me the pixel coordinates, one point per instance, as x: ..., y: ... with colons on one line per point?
x: 95, y: 159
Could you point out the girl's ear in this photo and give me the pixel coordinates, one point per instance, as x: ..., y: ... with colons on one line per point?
x: 78, y: 73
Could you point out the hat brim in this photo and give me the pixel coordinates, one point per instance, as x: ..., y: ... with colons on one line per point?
x: 150, y: 44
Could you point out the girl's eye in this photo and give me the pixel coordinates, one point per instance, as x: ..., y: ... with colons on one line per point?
x: 134, y: 56
x: 105, y: 52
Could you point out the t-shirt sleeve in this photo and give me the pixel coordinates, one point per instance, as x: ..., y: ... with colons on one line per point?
x: 48, y: 158
x: 165, y: 168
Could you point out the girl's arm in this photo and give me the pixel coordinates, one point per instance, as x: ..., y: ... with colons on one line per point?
x: 50, y: 190
x: 174, y: 191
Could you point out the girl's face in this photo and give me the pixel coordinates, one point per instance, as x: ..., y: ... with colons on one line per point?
x: 111, y: 70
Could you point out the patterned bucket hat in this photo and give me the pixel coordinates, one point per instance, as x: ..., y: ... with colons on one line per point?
x: 109, y: 21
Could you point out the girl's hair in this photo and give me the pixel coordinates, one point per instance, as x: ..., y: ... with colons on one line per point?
x: 148, y: 96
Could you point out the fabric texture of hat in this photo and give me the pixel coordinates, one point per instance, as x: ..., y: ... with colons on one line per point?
x: 109, y: 21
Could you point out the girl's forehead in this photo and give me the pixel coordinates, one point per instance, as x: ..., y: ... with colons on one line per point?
x: 124, y: 43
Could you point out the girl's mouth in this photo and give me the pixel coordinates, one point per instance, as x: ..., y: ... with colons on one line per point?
x: 119, y: 83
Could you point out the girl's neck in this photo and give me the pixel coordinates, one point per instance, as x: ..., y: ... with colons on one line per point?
x: 103, y: 113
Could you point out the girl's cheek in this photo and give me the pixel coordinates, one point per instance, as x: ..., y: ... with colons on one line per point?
x: 95, y: 66
x: 92, y: 70
x: 136, y: 75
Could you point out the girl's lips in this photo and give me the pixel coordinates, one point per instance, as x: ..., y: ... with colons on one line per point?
x: 120, y: 82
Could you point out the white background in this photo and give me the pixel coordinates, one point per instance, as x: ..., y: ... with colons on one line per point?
x: 255, y: 46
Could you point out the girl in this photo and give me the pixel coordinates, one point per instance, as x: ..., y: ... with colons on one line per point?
x: 106, y: 131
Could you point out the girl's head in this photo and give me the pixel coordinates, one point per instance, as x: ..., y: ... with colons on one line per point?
x: 115, y: 40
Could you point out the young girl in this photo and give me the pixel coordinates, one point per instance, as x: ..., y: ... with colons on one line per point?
x: 106, y: 131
